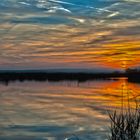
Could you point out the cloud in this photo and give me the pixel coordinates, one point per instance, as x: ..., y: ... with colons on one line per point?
x: 113, y: 14
x: 133, y: 1
x: 50, y: 33
x: 25, y: 3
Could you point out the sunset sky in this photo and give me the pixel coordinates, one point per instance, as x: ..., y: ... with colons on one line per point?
x: 69, y: 34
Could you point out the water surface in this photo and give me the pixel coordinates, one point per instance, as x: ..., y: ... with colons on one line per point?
x: 59, y: 110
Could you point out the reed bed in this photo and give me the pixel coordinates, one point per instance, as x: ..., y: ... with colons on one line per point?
x: 125, y: 126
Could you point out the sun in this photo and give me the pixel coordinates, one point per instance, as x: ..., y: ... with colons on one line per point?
x: 124, y: 65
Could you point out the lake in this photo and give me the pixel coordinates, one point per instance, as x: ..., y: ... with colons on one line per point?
x: 59, y: 110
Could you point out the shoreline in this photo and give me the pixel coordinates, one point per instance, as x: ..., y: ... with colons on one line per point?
x: 64, y: 76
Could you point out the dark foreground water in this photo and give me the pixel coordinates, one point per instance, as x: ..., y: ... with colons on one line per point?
x: 61, y: 110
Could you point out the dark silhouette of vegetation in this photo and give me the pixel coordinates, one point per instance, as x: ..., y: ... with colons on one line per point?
x: 125, y: 126
x: 126, y: 123
x: 55, y: 76
x: 133, y: 75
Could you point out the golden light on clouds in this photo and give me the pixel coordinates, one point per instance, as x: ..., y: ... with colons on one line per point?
x: 71, y: 45
x: 59, y: 34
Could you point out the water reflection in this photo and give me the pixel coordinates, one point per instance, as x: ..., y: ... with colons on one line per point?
x: 58, y: 110
x: 125, y: 122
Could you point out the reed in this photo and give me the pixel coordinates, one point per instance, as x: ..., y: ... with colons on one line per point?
x: 125, y: 126
x: 125, y: 123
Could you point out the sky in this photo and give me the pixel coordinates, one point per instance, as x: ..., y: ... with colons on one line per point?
x: 70, y: 34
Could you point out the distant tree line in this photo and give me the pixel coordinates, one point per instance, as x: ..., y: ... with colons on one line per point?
x: 133, y: 75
